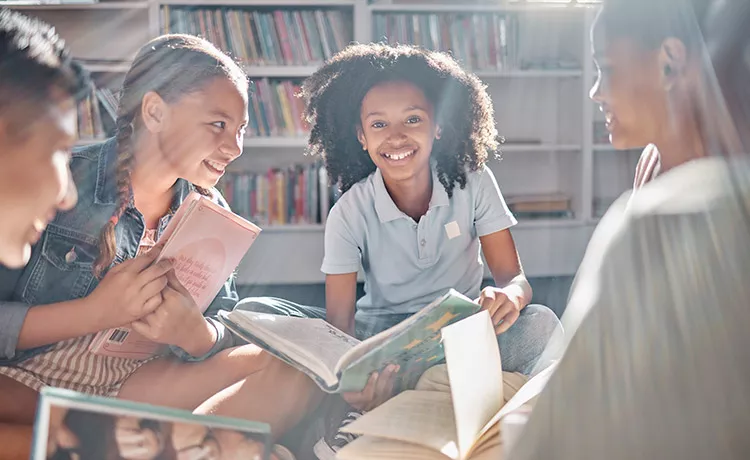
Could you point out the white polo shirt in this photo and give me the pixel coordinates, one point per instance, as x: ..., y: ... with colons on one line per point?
x: 408, y: 264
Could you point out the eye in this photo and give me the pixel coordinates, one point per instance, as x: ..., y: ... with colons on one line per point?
x: 219, y: 124
x: 378, y: 125
x: 413, y: 119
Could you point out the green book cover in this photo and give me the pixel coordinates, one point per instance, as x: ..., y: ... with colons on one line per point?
x: 339, y: 363
x: 72, y: 425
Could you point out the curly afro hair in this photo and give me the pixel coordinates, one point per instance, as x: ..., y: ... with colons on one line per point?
x: 463, y: 110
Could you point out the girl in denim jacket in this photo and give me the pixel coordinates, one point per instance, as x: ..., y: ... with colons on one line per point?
x: 181, y: 121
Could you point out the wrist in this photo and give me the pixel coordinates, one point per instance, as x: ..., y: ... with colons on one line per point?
x: 201, y: 339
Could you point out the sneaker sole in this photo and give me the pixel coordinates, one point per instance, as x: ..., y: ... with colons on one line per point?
x: 323, y: 451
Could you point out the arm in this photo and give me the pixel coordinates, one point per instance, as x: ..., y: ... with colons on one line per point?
x: 341, y: 262
x: 341, y: 296
x: 212, y: 336
x: 502, y: 259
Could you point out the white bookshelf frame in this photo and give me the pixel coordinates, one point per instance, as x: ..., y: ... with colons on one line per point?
x: 547, y: 247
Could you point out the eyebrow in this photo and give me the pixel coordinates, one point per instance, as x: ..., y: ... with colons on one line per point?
x: 408, y: 109
x: 220, y: 113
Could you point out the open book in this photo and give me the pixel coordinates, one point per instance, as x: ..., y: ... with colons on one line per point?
x: 73, y: 425
x: 461, y: 424
x: 207, y: 242
x: 340, y: 363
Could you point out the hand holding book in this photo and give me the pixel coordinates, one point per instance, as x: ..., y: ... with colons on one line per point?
x: 177, y: 321
x: 130, y: 290
x: 378, y: 390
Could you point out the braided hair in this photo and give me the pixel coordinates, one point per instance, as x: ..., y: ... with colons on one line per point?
x: 171, y: 66
x: 463, y: 110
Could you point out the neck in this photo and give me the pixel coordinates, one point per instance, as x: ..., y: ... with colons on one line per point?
x: 680, y: 145
x: 152, y: 187
x: 412, y: 196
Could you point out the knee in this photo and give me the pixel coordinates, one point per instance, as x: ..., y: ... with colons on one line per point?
x: 258, y: 305
x: 539, y: 321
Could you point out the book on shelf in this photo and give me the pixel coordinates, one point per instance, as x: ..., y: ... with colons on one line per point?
x: 259, y: 35
x: 298, y: 194
x: 540, y: 206
x: 480, y: 41
x: 69, y: 424
x: 275, y: 109
x: 97, y: 114
x: 206, y: 243
x: 339, y: 363
x: 464, y: 423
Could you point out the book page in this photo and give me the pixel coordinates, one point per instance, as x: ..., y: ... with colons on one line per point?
x: 475, y: 374
x: 312, y: 342
x: 523, y: 397
x: 418, y: 417
x: 414, y: 344
x: 369, y: 448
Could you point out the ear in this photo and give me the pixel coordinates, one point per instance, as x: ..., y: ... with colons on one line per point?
x: 438, y: 132
x: 361, y: 137
x: 673, y: 59
x: 153, y: 112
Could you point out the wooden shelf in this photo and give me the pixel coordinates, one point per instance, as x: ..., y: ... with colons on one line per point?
x: 106, y: 67
x: 549, y: 223
x: 136, y: 5
x: 512, y: 148
x: 459, y: 8
x: 531, y: 73
x: 279, y: 71
x: 268, y: 142
x: 293, y: 228
x: 269, y: 3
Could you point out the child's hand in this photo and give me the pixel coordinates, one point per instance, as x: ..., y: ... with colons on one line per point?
x: 177, y: 321
x: 378, y: 390
x: 503, y: 309
x: 130, y: 290
x: 135, y: 442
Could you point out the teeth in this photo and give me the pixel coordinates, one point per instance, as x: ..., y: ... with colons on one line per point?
x: 215, y: 165
x: 399, y: 156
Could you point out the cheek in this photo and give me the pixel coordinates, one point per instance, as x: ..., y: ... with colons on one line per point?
x: 61, y: 175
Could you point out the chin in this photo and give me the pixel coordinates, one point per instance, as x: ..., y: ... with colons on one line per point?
x: 15, y: 257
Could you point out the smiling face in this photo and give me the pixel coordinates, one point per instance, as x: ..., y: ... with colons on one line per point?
x: 397, y: 128
x: 35, y: 179
x: 203, y: 131
x: 629, y: 90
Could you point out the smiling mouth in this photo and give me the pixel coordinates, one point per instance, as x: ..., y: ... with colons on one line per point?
x: 215, y: 166
x: 399, y: 154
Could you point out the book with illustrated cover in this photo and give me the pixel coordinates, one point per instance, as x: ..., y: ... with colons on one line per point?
x: 340, y: 363
x: 206, y: 242
x: 77, y: 426
x: 461, y: 424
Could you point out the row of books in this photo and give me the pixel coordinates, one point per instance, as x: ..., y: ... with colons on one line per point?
x: 275, y: 109
x: 299, y: 194
x: 265, y: 37
x: 97, y: 114
x: 486, y: 41
x: 540, y: 206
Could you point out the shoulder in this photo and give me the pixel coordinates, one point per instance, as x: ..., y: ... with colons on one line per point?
x: 482, y: 177
x: 359, y: 199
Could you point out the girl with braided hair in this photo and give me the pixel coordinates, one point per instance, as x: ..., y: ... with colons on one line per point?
x: 181, y: 121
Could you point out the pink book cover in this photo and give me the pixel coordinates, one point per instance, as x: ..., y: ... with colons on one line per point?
x: 207, y: 242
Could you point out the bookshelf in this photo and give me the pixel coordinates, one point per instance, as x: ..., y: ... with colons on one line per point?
x: 539, y: 86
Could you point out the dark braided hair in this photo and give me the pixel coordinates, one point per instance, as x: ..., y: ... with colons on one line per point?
x: 463, y: 110
x: 171, y: 66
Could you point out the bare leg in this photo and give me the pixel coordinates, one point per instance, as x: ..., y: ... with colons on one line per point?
x: 17, y: 402
x: 242, y: 382
x: 15, y: 441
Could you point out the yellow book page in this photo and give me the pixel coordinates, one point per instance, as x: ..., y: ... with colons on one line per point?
x: 424, y: 418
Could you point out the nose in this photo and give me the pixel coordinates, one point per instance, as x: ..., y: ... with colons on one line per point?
x: 596, y: 91
x: 69, y: 195
x: 233, y: 145
x: 397, y: 137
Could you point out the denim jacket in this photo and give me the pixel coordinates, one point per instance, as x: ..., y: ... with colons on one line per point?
x: 49, y: 277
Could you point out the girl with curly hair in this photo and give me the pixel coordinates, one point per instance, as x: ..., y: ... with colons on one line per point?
x: 406, y: 133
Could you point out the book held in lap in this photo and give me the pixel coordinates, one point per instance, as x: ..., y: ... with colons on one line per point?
x: 206, y: 242
x: 340, y: 363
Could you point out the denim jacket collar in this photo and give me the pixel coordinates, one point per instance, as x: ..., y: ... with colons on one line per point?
x: 106, y: 179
